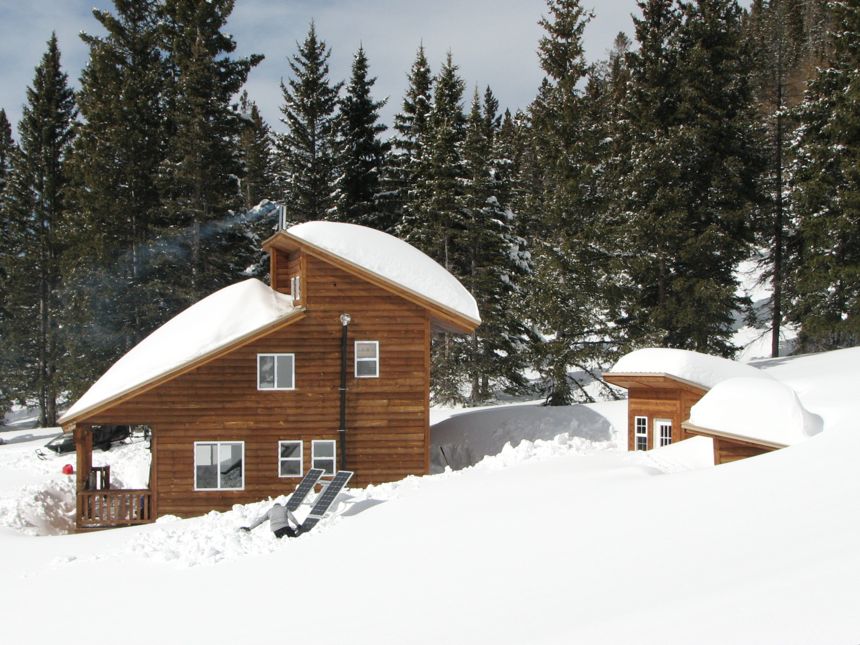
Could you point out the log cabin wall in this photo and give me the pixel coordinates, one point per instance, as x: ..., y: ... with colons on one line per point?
x: 387, y: 417
x: 727, y: 450
x: 659, y: 403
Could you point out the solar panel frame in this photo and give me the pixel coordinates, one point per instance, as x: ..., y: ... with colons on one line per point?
x: 325, y: 500
x: 304, y: 488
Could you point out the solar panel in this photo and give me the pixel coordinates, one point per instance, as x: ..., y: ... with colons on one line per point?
x: 305, y: 486
x: 326, y: 499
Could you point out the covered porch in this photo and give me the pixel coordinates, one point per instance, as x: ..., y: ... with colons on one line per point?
x: 98, y: 505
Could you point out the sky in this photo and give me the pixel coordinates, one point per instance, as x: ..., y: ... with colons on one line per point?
x: 493, y: 42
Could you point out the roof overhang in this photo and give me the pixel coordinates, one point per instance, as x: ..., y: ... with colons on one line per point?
x: 660, y: 381
x: 741, y: 439
x: 444, y: 318
x: 68, y: 422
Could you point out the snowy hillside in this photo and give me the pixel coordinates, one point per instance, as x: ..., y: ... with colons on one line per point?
x: 557, y: 540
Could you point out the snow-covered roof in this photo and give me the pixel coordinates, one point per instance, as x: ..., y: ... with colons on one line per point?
x: 700, y: 369
x: 761, y: 410
x: 215, y: 322
x: 392, y: 259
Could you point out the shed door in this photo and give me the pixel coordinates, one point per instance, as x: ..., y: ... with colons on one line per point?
x: 662, y: 432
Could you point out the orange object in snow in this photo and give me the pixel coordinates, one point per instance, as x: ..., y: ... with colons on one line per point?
x: 68, y: 469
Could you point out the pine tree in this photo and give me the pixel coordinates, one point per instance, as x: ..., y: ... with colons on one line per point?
x: 199, y: 178
x: 108, y: 300
x: 406, y: 157
x: 826, y: 195
x: 8, y: 149
x: 35, y: 206
x: 360, y: 151
x: 306, y: 150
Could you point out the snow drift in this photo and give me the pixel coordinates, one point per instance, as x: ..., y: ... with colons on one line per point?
x: 700, y: 369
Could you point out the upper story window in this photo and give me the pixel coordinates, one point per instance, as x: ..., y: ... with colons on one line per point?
x: 296, y: 288
x: 324, y: 455
x: 290, y: 459
x: 641, y: 433
x: 219, y: 465
x: 276, y: 371
x: 366, y: 358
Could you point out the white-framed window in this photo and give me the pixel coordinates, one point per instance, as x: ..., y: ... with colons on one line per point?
x: 296, y: 288
x: 641, y: 433
x: 323, y: 455
x: 662, y: 432
x: 366, y: 358
x: 219, y: 465
x: 290, y: 459
x: 276, y: 371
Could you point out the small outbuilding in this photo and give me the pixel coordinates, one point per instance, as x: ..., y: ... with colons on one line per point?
x: 245, y: 391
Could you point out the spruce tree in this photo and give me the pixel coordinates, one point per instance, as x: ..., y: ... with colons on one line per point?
x: 826, y: 195
x: 360, y: 151
x: 306, y: 152
x: 7, y: 151
x: 199, y: 178
x: 35, y: 207
x: 109, y: 302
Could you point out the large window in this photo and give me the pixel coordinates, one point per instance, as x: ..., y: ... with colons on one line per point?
x: 290, y: 459
x: 276, y: 371
x: 641, y: 435
x: 323, y: 455
x: 366, y: 358
x: 219, y: 465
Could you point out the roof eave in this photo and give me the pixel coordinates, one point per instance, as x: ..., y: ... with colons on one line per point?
x: 710, y: 432
x: 612, y: 377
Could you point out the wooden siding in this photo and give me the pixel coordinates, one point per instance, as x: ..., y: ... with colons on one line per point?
x: 660, y: 403
x: 387, y: 417
x: 727, y: 450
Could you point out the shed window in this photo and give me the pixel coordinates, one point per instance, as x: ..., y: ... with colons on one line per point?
x: 323, y: 455
x: 296, y: 288
x: 366, y: 358
x: 276, y: 371
x: 663, y: 432
x: 290, y: 459
x: 219, y: 465
x: 641, y: 435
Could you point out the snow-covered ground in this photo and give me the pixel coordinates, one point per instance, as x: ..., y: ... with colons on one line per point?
x: 561, y: 537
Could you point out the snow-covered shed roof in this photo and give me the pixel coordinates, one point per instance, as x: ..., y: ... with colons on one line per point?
x: 392, y: 259
x: 220, y: 320
x: 759, y: 410
x: 702, y: 370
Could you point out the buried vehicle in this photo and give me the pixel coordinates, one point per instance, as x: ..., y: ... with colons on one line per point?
x: 103, y: 438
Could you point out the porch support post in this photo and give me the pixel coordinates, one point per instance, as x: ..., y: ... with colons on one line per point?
x: 84, y: 453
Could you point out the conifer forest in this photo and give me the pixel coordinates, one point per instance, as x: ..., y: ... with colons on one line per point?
x: 610, y: 214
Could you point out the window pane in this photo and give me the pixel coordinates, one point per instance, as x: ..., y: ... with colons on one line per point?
x: 365, y: 350
x: 231, y: 465
x: 365, y: 368
x: 206, y: 468
x: 327, y: 464
x: 291, y: 467
x: 291, y: 449
x: 266, y: 376
x: 323, y: 449
x: 285, y: 371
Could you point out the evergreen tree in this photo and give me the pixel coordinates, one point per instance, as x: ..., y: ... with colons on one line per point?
x: 306, y: 150
x: 360, y: 151
x: 199, y: 178
x: 8, y: 149
x: 108, y: 300
x: 405, y: 160
x: 35, y: 207
x: 825, y: 279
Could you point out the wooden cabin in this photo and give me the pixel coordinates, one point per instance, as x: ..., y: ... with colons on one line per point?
x: 328, y: 368
x: 730, y: 448
x: 657, y: 406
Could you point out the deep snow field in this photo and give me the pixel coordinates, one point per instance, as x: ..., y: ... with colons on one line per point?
x: 556, y: 534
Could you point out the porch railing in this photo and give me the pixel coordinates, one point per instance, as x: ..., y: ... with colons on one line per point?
x: 118, y: 507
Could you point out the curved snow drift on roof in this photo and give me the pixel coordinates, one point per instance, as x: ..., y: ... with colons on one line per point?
x: 759, y: 409
x: 214, y: 322
x: 390, y: 258
x: 701, y: 369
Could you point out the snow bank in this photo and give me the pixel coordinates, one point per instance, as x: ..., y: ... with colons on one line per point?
x: 697, y: 368
x: 214, y: 322
x: 390, y: 258
x: 759, y: 409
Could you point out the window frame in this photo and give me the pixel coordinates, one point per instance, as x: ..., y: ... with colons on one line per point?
x: 358, y: 360
x: 219, y: 488
x: 314, y: 443
x: 275, y: 387
x: 296, y: 287
x: 658, y: 434
x: 300, y: 458
x: 640, y: 435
